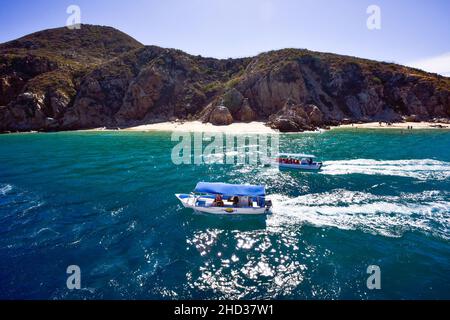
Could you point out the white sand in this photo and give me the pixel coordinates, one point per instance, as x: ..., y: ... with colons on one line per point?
x: 397, y: 125
x: 260, y: 127
x: 197, y: 126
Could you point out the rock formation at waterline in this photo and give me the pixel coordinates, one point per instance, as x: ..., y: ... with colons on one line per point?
x: 63, y: 79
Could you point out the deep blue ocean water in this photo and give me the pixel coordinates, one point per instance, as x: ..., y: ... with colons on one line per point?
x: 105, y: 201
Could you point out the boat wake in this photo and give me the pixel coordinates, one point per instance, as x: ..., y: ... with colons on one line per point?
x: 390, y: 216
x: 424, y: 169
x: 4, y: 189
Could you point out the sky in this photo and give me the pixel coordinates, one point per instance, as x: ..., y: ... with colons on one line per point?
x: 411, y: 32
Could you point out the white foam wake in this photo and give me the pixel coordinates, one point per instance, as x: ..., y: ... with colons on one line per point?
x: 427, y: 212
x: 424, y: 169
x: 4, y: 189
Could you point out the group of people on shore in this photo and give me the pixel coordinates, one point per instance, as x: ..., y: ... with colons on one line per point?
x: 387, y: 123
x: 390, y: 124
x: 408, y: 128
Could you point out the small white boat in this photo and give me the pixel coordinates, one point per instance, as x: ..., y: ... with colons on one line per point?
x: 298, y: 161
x: 227, y: 199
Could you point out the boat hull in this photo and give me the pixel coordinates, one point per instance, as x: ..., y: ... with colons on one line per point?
x: 309, y: 167
x: 191, y: 202
x: 316, y: 166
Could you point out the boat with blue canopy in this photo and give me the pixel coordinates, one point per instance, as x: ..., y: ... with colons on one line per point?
x: 227, y: 199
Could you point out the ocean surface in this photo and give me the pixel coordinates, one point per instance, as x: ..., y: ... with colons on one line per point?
x: 105, y: 201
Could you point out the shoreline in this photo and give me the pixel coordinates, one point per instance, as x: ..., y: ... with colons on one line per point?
x: 256, y: 127
x: 396, y: 125
x: 197, y: 126
x: 260, y: 127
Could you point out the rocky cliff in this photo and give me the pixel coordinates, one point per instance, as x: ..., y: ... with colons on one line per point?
x: 64, y: 79
x: 40, y: 74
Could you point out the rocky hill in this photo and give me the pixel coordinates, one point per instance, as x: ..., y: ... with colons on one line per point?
x: 64, y: 79
x: 40, y: 74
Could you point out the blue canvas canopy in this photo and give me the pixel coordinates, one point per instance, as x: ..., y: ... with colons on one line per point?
x: 230, y: 189
x: 297, y: 155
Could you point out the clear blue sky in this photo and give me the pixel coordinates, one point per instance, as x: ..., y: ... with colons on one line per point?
x: 411, y: 30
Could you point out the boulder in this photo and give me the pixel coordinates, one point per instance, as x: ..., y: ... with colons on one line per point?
x: 412, y: 118
x: 315, y: 115
x: 220, y: 116
x: 246, y: 113
x: 346, y: 121
x: 284, y: 125
x: 441, y: 120
x: 291, y: 118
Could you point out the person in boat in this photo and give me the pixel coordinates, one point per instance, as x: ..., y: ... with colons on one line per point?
x: 218, y: 201
x: 235, y: 201
x: 310, y: 161
x: 244, y: 201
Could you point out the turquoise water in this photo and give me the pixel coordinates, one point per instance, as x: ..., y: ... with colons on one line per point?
x: 105, y: 201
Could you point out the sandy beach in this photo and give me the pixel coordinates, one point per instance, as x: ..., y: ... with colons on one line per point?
x: 198, y: 126
x: 397, y: 125
x: 260, y: 127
